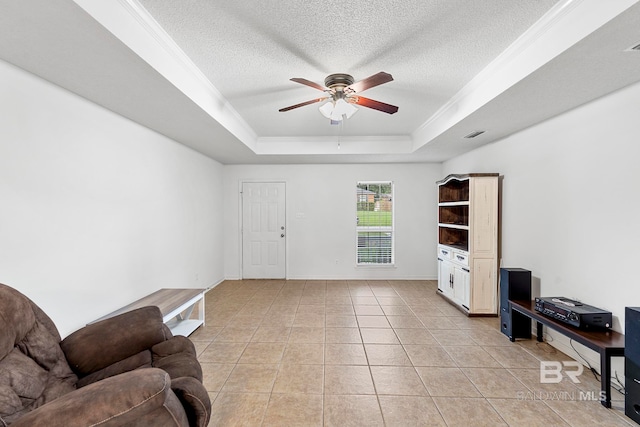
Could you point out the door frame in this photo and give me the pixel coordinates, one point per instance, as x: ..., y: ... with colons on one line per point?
x: 241, y: 224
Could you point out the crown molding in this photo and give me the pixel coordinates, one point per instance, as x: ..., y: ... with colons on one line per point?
x: 560, y: 28
x: 134, y: 26
x: 153, y: 28
x: 363, y: 145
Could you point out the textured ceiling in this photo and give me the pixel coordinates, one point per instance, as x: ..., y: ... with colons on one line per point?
x: 250, y: 49
x: 212, y: 75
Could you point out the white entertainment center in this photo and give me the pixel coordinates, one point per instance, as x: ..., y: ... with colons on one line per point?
x: 468, y: 242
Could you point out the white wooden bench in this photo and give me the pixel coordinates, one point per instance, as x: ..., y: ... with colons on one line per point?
x: 176, y: 306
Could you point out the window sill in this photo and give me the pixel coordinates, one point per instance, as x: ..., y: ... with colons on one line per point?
x: 375, y: 266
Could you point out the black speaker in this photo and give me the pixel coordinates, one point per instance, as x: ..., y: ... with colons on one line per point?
x: 632, y: 363
x: 515, y: 284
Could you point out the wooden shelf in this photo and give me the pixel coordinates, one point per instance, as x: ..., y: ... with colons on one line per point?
x: 454, y: 236
x: 454, y: 215
x: 184, y: 327
x: 463, y: 203
x: 176, y: 306
x: 456, y: 226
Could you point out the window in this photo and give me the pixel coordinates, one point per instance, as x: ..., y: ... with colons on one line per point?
x: 374, y: 223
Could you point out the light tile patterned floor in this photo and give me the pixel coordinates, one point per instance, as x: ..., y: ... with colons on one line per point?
x: 375, y: 353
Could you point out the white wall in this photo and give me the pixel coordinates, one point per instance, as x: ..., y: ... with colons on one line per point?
x: 98, y: 211
x: 324, y: 196
x: 571, y: 205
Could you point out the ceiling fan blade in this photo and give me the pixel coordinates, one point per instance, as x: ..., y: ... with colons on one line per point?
x: 308, y: 83
x: 369, y: 82
x: 302, y: 104
x: 376, y: 105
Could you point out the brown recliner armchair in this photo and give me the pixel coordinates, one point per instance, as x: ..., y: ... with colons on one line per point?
x: 124, y: 371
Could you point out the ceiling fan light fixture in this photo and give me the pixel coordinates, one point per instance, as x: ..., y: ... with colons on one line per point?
x: 343, y: 93
x: 326, y: 109
x: 338, y: 110
x: 344, y: 108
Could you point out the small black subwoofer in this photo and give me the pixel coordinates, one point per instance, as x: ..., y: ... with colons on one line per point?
x: 632, y: 363
x: 515, y: 284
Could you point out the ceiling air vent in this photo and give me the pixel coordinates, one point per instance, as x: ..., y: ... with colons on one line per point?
x: 474, y: 134
x: 635, y: 48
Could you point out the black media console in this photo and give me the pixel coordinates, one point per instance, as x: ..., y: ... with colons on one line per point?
x: 606, y: 342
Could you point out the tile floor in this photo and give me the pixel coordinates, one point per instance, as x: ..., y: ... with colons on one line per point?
x: 373, y: 353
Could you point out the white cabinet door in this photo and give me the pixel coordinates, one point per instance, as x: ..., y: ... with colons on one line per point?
x: 461, y: 291
x: 445, y: 277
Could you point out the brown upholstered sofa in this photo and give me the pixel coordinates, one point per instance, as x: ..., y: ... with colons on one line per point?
x: 124, y: 371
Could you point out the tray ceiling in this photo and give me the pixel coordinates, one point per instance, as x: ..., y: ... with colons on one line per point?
x: 212, y: 75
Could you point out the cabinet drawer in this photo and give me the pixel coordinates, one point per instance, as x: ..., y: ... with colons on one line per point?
x: 461, y: 258
x: 445, y: 253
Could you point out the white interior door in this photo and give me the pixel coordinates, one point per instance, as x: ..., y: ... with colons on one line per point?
x: 263, y: 230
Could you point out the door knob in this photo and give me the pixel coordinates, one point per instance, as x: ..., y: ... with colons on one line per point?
x: 282, y: 235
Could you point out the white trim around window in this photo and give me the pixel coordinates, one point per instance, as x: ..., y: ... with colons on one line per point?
x: 375, y: 219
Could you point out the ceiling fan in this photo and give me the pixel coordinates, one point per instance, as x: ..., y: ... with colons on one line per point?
x: 343, y: 93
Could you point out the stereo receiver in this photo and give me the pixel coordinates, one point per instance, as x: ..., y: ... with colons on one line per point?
x: 574, y: 313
